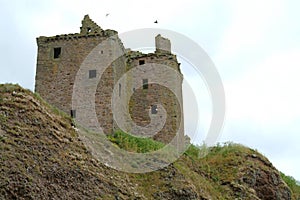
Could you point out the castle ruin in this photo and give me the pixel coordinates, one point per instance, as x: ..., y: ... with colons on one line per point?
x: 60, y: 57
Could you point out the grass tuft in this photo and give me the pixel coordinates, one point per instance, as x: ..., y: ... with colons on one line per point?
x: 293, y: 185
x: 134, y: 144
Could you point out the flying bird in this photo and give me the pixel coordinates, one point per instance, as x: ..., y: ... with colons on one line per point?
x: 155, y: 22
x: 107, y: 14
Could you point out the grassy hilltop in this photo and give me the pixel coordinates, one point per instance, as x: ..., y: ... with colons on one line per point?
x: 42, y: 157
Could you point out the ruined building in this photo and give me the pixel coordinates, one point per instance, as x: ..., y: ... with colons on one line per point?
x: 61, y: 57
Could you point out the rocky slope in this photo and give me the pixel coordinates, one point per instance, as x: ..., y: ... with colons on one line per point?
x: 42, y: 157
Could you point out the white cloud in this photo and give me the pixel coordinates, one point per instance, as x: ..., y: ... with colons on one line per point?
x: 269, y: 93
x: 250, y: 22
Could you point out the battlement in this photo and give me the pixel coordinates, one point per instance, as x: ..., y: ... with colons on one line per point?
x: 136, y: 54
x: 74, y: 36
x: 88, y: 29
x: 159, y: 57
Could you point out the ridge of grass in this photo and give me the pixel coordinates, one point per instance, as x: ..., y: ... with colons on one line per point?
x: 134, y: 144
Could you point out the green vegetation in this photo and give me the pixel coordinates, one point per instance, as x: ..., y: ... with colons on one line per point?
x: 293, y: 185
x: 134, y: 144
x: 194, y: 151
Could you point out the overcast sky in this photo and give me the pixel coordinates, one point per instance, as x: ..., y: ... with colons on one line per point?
x: 255, y: 46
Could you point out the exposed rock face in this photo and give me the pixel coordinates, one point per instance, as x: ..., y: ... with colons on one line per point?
x: 260, y: 180
x: 43, y: 158
x: 266, y: 182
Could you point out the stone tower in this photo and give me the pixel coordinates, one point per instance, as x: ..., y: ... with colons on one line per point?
x: 60, y: 58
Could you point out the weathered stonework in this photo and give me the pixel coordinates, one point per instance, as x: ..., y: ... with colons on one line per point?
x: 60, y: 57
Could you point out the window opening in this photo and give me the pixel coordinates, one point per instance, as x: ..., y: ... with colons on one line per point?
x: 56, y: 52
x: 92, y: 73
x: 145, y: 83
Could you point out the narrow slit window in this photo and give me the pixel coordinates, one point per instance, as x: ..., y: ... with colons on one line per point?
x: 154, y: 109
x: 120, y: 87
x: 92, y: 73
x: 145, y: 83
x: 73, y: 113
x: 56, y: 52
x: 141, y: 62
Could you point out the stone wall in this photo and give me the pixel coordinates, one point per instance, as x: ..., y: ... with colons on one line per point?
x: 55, y: 76
x: 59, y: 60
x: 163, y: 45
x: 62, y: 59
x: 144, y: 99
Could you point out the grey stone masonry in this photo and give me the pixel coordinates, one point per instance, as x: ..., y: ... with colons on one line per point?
x: 139, y: 94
